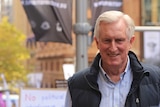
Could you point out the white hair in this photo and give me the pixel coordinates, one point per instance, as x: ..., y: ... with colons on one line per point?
x: 113, y: 16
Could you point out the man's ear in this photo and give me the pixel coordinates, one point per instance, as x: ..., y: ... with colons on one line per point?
x: 97, y: 42
x: 95, y: 39
x: 132, y: 39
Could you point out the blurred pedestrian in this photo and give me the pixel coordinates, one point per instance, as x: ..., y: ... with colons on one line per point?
x: 2, y: 102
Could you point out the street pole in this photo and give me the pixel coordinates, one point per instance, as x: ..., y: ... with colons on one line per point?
x: 81, y: 29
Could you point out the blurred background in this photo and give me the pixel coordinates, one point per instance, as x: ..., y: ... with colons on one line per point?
x: 30, y: 57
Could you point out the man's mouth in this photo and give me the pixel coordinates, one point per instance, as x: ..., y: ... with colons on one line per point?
x: 113, y: 55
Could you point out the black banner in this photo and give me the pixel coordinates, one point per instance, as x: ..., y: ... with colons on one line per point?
x: 100, y: 6
x: 51, y: 20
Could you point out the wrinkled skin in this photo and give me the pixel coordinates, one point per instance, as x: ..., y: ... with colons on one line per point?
x: 114, y: 45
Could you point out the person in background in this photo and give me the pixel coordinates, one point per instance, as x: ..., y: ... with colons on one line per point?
x: 116, y: 77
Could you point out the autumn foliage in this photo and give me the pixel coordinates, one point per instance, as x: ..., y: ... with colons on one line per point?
x: 13, y: 54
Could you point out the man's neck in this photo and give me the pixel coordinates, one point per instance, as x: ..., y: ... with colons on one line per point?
x: 114, y: 72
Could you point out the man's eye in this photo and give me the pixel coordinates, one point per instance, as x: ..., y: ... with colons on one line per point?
x: 119, y: 40
x: 107, y: 40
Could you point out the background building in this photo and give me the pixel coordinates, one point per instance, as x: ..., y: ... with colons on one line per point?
x: 48, y: 58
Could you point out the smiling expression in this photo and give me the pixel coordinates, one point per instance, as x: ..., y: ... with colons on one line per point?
x: 113, y: 43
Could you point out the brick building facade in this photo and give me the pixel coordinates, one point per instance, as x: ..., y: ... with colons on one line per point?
x: 49, y: 57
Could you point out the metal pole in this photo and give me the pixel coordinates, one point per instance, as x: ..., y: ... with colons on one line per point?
x: 81, y: 29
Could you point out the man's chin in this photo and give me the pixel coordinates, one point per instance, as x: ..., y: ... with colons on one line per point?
x: 114, y: 64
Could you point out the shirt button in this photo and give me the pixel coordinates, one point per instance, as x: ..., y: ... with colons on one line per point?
x: 115, y: 106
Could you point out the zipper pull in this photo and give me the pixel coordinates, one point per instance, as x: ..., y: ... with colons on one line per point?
x: 137, y: 100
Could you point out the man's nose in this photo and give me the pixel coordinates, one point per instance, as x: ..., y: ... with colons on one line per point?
x: 113, y: 46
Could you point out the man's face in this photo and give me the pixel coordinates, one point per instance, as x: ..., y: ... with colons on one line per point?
x: 113, y: 43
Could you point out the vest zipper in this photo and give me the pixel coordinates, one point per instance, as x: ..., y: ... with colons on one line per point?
x: 136, y: 88
x: 137, y: 102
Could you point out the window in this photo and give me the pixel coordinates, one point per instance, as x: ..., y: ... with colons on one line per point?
x: 151, y: 12
x: 151, y: 40
x: 6, y: 9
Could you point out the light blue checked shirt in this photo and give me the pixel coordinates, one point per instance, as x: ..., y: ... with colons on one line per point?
x: 114, y: 94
